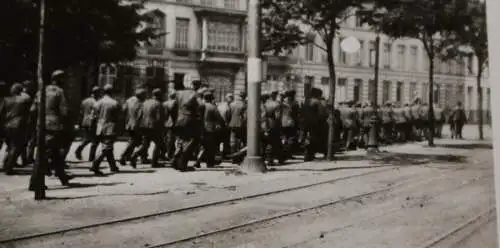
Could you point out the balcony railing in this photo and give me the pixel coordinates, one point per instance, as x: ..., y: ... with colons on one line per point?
x: 223, y: 4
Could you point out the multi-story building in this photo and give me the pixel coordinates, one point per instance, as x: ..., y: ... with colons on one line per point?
x: 205, y: 40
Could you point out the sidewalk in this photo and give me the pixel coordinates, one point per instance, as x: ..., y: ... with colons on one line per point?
x: 142, y: 191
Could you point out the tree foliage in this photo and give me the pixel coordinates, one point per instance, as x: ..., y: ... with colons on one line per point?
x: 76, y: 32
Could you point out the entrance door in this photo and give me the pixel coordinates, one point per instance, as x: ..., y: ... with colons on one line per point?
x: 223, y: 84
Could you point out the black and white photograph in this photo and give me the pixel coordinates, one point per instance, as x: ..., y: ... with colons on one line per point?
x: 249, y: 123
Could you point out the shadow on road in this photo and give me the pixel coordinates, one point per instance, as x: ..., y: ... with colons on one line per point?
x: 466, y: 146
x: 85, y: 185
x: 105, y: 195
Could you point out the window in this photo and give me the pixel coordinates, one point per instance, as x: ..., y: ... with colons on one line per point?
x: 224, y: 37
x: 386, y: 91
x: 107, y: 75
x: 372, y: 53
x: 425, y: 58
x: 309, y: 52
x: 451, y: 68
x: 447, y: 95
x: 414, y: 58
x: 341, y: 92
x: 469, y: 98
x: 207, y: 2
x: 325, y: 80
x: 399, y: 91
x: 401, y: 57
x: 324, y: 58
x: 159, y: 27
x: 444, y: 67
x: 387, y: 55
x: 360, y: 54
x: 342, y: 54
x: 358, y: 20
x: 310, y: 80
x: 231, y: 4
x: 437, y: 65
x: 460, y: 94
x: 413, y: 91
x: 425, y: 93
x: 371, y: 88
x: 181, y: 33
x: 155, y: 75
x: 125, y: 80
x: 470, y: 63
x: 357, y: 89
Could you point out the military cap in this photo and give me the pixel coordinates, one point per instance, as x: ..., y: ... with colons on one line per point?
x: 140, y: 91
x: 16, y: 88
x: 156, y: 92
x: 274, y: 92
x: 208, y: 93
x: 201, y: 91
x: 57, y: 73
x: 108, y: 87
x: 96, y: 89
x: 196, y: 82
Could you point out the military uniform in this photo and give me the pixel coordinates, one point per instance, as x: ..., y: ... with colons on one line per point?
x: 424, y: 120
x: 212, y: 122
x: 272, y: 124
x: 170, y: 110
x: 185, y: 128
x: 107, y: 114
x: 349, y: 121
x: 131, y: 109
x: 56, y: 110
x: 366, y: 118
x: 439, y: 120
x: 236, y: 124
x: 225, y: 132
x: 458, y: 119
x: 14, y: 114
x: 151, y: 123
x: 88, y: 126
x: 313, y: 113
x: 289, y: 123
x: 417, y: 121
x: 400, y: 124
x: 387, y: 116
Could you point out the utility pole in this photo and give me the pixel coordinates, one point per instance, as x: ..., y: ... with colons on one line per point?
x: 253, y: 161
x: 38, y: 176
x: 373, y: 138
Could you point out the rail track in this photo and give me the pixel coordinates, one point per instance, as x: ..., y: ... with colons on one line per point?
x: 186, y: 209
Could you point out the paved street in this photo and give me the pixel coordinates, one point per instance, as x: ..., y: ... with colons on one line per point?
x: 411, y: 196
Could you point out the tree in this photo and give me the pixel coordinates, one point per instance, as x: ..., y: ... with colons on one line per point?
x: 279, y: 31
x: 430, y: 21
x: 324, y: 18
x: 77, y: 32
x: 470, y: 39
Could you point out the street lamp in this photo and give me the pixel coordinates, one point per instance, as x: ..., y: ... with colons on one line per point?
x: 372, y: 146
x: 253, y: 161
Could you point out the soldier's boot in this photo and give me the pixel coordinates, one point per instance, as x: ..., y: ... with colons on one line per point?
x: 93, y: 150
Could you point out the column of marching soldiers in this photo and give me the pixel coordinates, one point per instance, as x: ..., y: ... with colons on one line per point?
x: 189, y: 125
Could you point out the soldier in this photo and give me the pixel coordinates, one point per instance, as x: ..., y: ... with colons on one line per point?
x: 349, y: 124
x: 185, y: 127
x: 408, y: 126
x: 366, y: 117
x: 289, y: 123
x: 424, y: 121
x: 313, y: 112
x: 400, y: 123
x: 14, y: 114
x: 151, y: 122
x: 417, y: 120
x: 170, y: 109
x: 458, y: 119
x: 212, y: 121
x: 439, y: 120
x: 359, y: 130
x: 225, y: 133
x: 56, y: 110
x: 387, y: 122
x: 236, y: 123
x: 272, y: 118
x: 107, y: 114
x: 29, y: 91
x: 131, y: 109
x: 88, y: 125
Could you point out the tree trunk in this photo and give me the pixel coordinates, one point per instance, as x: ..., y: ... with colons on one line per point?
x: 479, y: 99
x: 331, y: 122
x: 430, y: 132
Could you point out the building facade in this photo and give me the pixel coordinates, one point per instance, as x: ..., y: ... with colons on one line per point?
x: 206, y: 40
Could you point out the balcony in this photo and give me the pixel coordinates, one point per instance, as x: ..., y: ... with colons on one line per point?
x: 217, y: 6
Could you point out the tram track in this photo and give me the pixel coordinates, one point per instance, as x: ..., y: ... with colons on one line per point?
x: 185, y: 209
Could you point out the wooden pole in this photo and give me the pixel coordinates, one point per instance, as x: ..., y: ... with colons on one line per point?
x: 39, y: 170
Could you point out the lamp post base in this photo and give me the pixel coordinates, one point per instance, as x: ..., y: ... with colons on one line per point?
x: 253, y: 164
